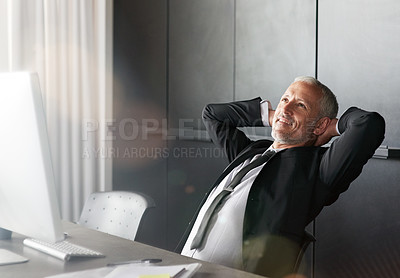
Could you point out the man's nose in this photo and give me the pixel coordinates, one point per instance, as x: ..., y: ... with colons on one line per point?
x: 287, y: 107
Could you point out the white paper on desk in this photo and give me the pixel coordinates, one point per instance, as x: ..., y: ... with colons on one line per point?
x: 90, y: 273
x: 134, y: 271
x: 131, y: 271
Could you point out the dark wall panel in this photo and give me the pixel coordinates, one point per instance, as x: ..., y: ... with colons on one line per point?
x: 200, y: 57
x: 359, y: 57
x: 140, y: 47
x: 358, y: 236
x: 275, y: 42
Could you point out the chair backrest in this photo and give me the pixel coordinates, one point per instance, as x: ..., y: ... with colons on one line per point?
x: 117, y: 212
x: 308, y: 238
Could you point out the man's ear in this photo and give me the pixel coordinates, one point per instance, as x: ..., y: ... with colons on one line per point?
x: 321, y: 126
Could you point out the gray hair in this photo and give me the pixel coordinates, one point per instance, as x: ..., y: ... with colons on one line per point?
x: 328, y: 104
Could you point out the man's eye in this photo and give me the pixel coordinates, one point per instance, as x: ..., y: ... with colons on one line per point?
x: 301, y: 105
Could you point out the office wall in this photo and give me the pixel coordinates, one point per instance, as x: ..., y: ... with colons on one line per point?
x: 275, y: 42
x: 358, y: 56
x: 140, y: 105
x: 172, y: 57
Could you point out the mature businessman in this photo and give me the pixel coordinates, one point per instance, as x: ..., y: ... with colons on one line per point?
x: 255, y: 214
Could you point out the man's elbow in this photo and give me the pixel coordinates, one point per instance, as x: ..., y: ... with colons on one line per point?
x: 207, y: 112
x: 378, y: 125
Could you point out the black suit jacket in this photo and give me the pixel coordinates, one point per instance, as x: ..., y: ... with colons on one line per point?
x: 294, y: 186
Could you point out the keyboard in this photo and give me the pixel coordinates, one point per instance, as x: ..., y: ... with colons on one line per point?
x: 62, y: 250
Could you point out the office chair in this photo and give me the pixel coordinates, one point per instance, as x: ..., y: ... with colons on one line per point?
x: 308, y: 238
x: 117, y: 212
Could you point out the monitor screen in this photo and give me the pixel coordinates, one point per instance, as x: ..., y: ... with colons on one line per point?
x: 28, y: 200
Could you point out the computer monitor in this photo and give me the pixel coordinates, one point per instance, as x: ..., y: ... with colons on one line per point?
x: 28, y: 200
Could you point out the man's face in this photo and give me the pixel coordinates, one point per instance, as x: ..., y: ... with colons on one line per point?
x: 296, y: 115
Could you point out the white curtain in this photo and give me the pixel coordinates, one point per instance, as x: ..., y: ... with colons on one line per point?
x: 68, y: 43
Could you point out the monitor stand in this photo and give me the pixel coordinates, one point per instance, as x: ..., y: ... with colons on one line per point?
x: 6, y: 256
x: 5, y: 234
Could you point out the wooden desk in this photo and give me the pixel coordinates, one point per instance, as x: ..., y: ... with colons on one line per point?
x: 115, y: 248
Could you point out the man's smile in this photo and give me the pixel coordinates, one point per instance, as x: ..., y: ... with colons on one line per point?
x: 283, y: 120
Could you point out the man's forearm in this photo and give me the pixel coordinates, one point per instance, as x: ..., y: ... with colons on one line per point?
x: 222, y: 119
x: 238, y: 113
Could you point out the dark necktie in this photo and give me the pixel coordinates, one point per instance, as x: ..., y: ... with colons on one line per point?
x: 196, y: 243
